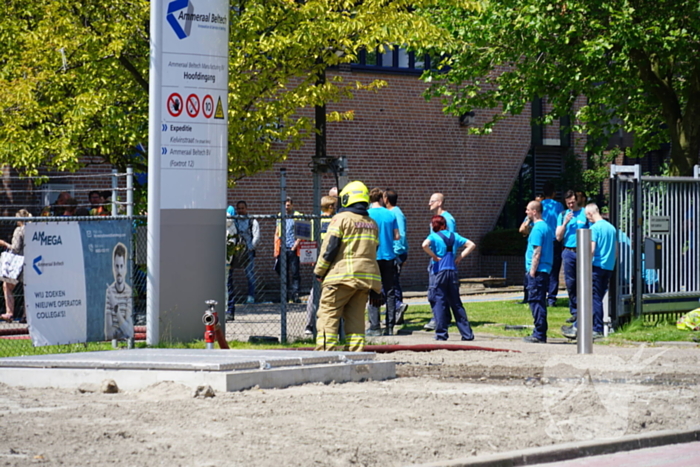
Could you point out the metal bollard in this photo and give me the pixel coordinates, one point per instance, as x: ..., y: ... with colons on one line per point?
x: 210, y: 320
x: 584, y: 291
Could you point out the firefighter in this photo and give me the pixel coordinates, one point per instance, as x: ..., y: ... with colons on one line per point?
x: 348, y: 268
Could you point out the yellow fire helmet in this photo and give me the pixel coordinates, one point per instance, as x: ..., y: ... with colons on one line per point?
x: 354, y: 192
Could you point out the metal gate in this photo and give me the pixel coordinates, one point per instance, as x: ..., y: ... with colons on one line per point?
x: 658, y: 222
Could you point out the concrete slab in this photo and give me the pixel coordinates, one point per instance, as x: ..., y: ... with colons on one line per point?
x: 223, y: 370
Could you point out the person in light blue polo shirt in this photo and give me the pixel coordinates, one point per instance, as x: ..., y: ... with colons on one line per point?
x: 604, y: 248
x: 538, y: 264
x: 551, y: 209
x: 569, y: 222
x: 401, y: 250
x: 435, y: 204
x: 386, y: 259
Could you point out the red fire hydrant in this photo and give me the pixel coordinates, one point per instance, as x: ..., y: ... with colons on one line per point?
x: 211, y: 322
x: 212, y: 327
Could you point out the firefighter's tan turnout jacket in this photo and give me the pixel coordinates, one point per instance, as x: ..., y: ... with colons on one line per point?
x: 349, y: 252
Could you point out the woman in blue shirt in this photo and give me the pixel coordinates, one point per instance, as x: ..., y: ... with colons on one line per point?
x: 442, y: 246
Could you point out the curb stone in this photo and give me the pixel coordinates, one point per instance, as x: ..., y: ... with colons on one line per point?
x: 574, y: 450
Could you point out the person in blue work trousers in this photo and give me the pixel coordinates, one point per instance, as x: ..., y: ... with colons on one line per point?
x: 604, y: 248
x: 538, y: 264
x: 437, y: 200
x: 568, y: 223
x: 442, y: 246
x: 551, y: 209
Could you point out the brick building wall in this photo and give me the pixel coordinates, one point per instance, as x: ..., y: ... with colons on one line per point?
x: 399, y: 140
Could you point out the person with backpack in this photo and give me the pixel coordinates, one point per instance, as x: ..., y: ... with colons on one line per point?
x: 249, y: 230
x: 443, y: 246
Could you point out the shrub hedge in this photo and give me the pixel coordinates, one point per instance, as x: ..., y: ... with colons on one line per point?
x: 504, y: 242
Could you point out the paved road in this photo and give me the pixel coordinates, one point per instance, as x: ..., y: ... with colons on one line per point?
x: 673, y: 455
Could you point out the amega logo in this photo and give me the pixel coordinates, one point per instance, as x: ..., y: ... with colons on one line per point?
x: 588, y: 396
x: 47, y: 240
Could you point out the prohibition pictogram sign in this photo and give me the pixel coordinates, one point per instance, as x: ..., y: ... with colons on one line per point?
x: 175, y: 104
x: 208, y: 106
x: 192, y: 105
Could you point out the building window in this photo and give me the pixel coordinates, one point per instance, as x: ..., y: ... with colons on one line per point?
x: 398, y: 60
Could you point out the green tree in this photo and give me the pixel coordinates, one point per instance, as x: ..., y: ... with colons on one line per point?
x: 281, y: 49
x: 636, y: 61
x: 74, y: 76
x: 73, y: 82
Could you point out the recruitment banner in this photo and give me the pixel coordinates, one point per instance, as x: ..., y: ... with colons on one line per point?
x: 77, y: 281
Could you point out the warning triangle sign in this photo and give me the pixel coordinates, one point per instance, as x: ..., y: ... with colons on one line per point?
x: 219, y: 110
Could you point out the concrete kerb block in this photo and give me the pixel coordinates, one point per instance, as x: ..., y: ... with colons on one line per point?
x: 222, y: 370
x: 352, y: 371
x: 574, y: 450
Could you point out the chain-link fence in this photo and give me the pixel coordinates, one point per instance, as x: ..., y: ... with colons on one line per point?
x: 261, y: 306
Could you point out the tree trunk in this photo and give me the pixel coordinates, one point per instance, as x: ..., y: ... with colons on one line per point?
x: 685, y: 143
x: 683, y: 121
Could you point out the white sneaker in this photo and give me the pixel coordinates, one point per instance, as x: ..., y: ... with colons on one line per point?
x: 250, y: 299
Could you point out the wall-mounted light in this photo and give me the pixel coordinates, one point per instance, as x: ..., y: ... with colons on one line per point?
x: 466, y: 119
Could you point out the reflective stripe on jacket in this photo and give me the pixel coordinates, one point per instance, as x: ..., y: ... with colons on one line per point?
x: 355, y: 263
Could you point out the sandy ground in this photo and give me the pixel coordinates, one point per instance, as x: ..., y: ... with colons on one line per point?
x: 443, y: 405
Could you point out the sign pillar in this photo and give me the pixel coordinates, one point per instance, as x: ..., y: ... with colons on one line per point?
x: 187, y: 174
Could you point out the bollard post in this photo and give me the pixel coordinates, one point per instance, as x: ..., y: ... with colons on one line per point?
x: 584, y: 291
x: 283, y: 256
x: 115, y: 191
x: 129, y: 191
x: 130, y: 213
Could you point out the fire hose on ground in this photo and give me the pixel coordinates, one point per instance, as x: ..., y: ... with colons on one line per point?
x: 389, y: 348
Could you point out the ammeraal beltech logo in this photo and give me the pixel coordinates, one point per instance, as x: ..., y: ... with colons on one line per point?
x: 35, y: 265
x: 176, y: 6
x: 38, y: 264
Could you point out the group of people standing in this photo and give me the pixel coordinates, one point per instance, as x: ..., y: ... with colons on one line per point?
x: 364, y: 247
x: 360, y: 261
x: 362, y: 252
x: 552, y: 241
x: 66, y: 205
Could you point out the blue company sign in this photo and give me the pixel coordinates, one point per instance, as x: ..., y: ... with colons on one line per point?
x: 35, y: 265
x: 188, y: 17
x: 177, y: 5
